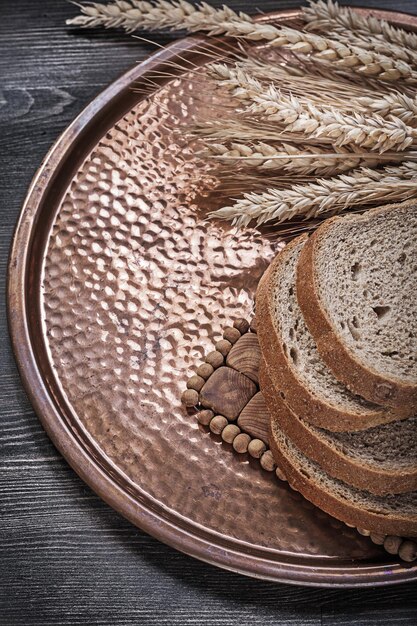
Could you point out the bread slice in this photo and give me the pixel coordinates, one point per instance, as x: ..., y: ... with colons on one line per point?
x: 382, y: 459
x: 291, y: 355
x: 385, y: 515
x: 357, y: 289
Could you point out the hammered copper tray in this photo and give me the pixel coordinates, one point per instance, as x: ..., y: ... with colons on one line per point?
x: 116, y: 290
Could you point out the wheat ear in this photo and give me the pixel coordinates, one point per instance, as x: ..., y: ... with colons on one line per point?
x: 339, y: 95
x: 180, y: 14
x: 329, y: 13
x: 364, y: 32
x: 303, y: 161
x: 374, y: 133
x: 335, y: 93
x: 363, y: 187
x: 392, y: 104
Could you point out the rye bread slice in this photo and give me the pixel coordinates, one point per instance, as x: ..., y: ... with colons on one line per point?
x: 385, y: 515
x: 381, y: 460
x: 292, y: 358
x: 357, y: 289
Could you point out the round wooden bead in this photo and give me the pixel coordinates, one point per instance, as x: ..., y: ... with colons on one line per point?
x: 205, y: 417
x: 230, y: 433
x: 408, y: 551
x: 195, y: 382
x: 231, y: 334
x: 363, y: 532
x: 256, y: 448
x: 242, y: 325
x: 189, y: 397
x: 392, y: 544
x: 223, y: 347
x: 377, y: 539
x: 241, y: 442
x: 267, y: 461
x: 280, y: 474
x: 217, y: 424
x: 253, y: 325
x: 205, y: 370
x: 215, y: 359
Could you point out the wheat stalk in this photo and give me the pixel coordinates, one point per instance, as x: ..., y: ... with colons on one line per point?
x: 375, y: 133
x: 332, y: 91
x: 363, y: 186
x: 302, y: 161
x: 180, y: 14
x: 228, y: 129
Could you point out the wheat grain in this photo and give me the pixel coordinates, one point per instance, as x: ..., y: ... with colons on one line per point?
x: 363, y: 186
x: 303, y: 161
x: 180, y: 14
x: 365, y: 32
x: 295, y: 115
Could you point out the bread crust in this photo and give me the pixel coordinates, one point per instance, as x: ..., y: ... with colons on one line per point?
x: 345, y: 366
x: 301, y: 400
x: 348, y: 469
x: 336, y: 506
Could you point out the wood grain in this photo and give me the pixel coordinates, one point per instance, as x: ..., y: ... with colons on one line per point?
x: 245, y: 356
x: 254, y: 419
x: 67, y: 558
x: 226, y: 392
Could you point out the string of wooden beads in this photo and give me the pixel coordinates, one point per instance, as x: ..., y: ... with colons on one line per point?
x: 218, y: 424
x: 405, y: 548
x: 242, y: 442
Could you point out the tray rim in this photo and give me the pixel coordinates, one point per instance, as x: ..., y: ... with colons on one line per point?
x: 355, y: 574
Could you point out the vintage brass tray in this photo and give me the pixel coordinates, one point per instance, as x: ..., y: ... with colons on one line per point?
x: 116, y: 289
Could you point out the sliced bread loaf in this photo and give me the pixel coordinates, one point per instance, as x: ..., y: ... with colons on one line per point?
x: 382, y: 459
x: 386, y: 515
x: 291, y: 355
x: 357, y: 289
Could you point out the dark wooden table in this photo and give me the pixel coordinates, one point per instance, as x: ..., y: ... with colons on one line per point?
x: 65, y: 556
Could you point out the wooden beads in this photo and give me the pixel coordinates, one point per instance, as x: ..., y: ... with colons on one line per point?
x: 223, y: 347
x: 217, y: 424
x: 377, y: 539
x: 230, y: 433
x: 364, y: 532
x: 189, y: 397
x: 253, y: 325
x: 267, y: 461
x: 205, y: 417
x: 205, y: 370
x: 256, y: 448
x: 280, y: 474
x: 231, y: 334
x: 241, y: 325
x: 241, y: 442
x: 408, y: 551
x: 215, y: 359
x: 392, y: 544
x: 405, y: 548
x: 196, y: 383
